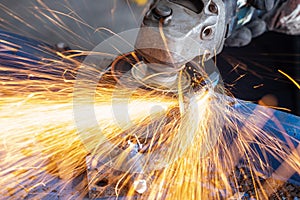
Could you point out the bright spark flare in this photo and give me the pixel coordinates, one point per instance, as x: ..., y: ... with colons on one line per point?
x: 40, y: 140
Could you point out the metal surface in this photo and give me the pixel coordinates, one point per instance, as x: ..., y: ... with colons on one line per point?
x: 23, y: 47
x: 283, y: 126
x: 102, y: 180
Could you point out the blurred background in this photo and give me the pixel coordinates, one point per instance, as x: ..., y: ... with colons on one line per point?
x: 81, y: 24
x: 250, y: 73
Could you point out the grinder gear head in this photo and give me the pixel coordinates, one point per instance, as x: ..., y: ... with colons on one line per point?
x: 171, y: 24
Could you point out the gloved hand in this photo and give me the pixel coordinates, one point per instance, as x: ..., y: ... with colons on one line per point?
x: 257, y: 26
x: 284, y: 17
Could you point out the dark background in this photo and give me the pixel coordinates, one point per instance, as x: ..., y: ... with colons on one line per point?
x: 251, y: 72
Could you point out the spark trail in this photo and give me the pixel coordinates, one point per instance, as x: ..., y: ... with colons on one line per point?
x: 40, y: 140
x: 195, y: 153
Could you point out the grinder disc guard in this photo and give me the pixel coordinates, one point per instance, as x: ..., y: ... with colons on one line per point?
x: 130, y: 69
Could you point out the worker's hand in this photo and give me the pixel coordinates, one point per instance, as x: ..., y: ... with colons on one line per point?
x: 285, y: 17
x: 243, y: 35
x: 262, y: 4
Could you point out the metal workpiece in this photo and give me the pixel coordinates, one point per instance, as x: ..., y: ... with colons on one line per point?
x: 103, y: 179
x: 284, y: 127
x: 193, y: 28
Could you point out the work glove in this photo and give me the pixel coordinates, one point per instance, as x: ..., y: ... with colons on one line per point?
x: 284, y: 17
x: 243, y: 35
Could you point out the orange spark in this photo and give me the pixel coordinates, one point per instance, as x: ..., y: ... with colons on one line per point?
x: 290, y: 78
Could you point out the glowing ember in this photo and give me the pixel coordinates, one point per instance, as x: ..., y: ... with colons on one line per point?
x: 175, y: 147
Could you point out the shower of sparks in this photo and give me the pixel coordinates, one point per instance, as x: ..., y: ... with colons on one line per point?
x: 43, y: 137
x: 40, y: 141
